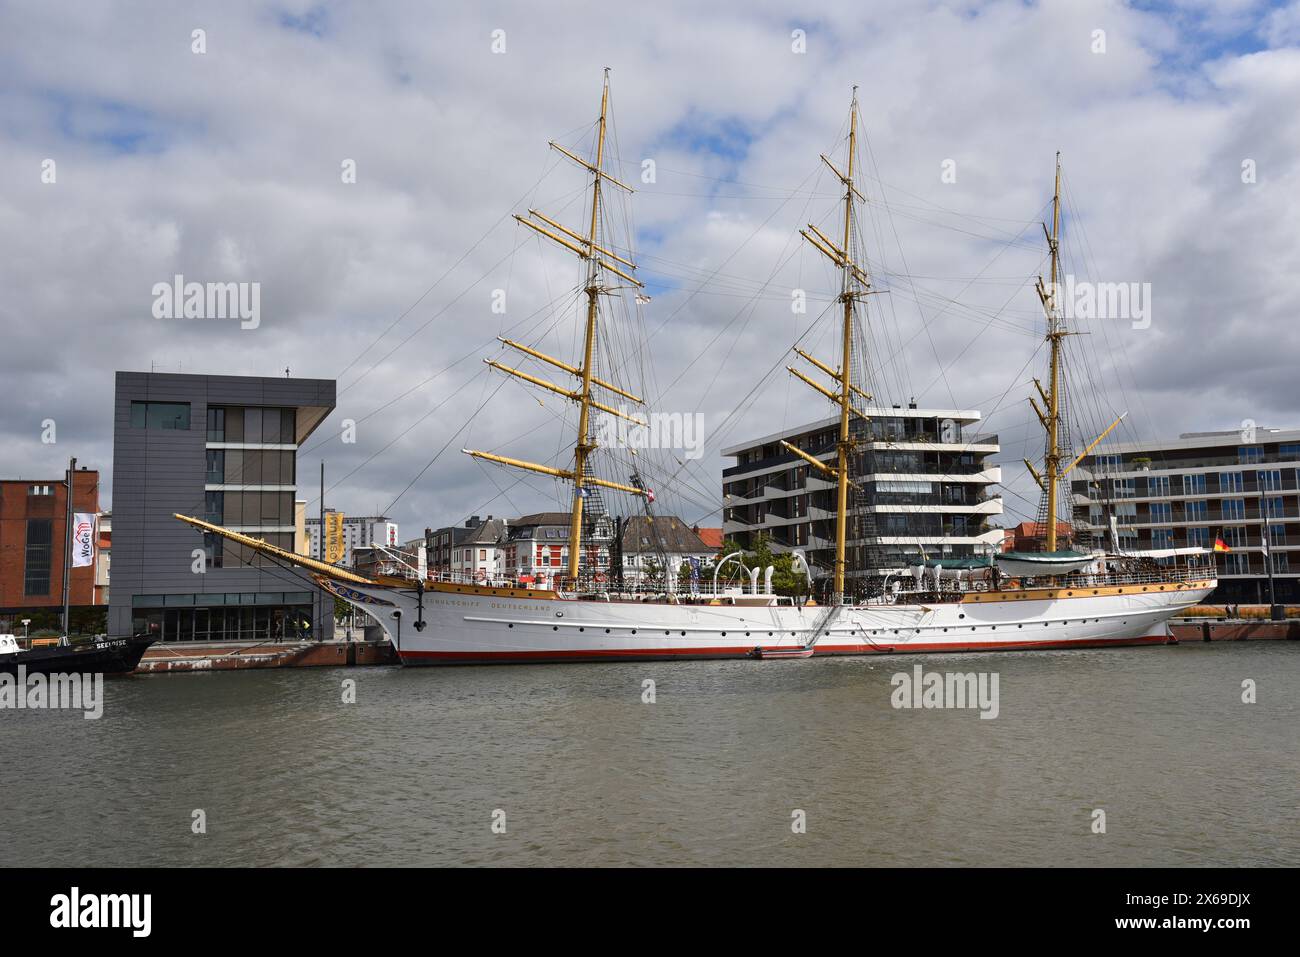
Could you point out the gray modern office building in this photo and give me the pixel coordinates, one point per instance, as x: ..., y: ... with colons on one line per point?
x: 222, y: 448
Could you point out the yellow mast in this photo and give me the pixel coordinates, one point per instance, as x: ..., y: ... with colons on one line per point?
x: 597, y: 258
x: 583, y: 447
x: 1050, y: 480
x: 854, y: 285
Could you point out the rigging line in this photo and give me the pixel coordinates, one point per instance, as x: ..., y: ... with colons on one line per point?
x: 971, y: 342
x: 451, y: 395
x: 961, y: 291
x: 930, y: 204
x: 751, y: 306
x: 1087, y: 257
x: 734, y: 253
x: 437, y: 454
x: 460, y: 295
x: 445, y: 369
x: 981, y: 331
x: 449, y: 270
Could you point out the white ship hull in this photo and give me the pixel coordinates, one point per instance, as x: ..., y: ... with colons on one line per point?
x: 455, y: 624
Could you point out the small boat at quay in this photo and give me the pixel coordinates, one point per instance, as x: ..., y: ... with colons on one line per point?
x: 101, y: 654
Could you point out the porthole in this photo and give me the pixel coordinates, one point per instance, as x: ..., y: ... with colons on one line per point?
x: 511, y: 625
x: 634, y: 631
x: 555, y: 627
x: 607, y: 631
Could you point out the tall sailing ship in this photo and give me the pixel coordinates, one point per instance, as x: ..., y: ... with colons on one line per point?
x: 1048, y: 599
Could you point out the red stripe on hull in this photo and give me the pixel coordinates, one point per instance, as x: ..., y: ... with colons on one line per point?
x: 672, y: 654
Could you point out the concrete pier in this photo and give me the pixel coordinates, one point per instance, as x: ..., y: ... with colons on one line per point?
x: 238, y: 655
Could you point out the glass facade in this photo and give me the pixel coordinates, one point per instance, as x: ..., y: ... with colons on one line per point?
x: 254, y: 425
x: 260, y: 616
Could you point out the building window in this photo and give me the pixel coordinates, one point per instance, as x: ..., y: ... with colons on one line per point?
x: 1109, y: 463
x: 1194, y: 484
x: 1198, y: 537
x: 1277, y: 535
x: 1247, y: 454
x: 1162, y: 538
x: 40, y: 490
x: 1126, y: 514
x: 160, y: 415
x: 40, y: 549
x: 216, y: 471
x: 216, y: 425
x: 1273, y: 508
x: 1281, y: 564
x: 1162, y: 512
x: 1235, y: 537
x: 1237, y: 564
x: 1231, y: 482
x: 1123, y: 488
x: 214, y: 507
x: 1158, y: 486
x: 1270, y: 480
x: 1234, y: 510
x: 1198, y: 511
x: 1288, y: 452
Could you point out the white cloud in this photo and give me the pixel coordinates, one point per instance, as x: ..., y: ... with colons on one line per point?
x: 227, y: 166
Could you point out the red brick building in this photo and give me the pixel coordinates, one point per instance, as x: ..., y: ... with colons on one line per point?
x: 33, y: 533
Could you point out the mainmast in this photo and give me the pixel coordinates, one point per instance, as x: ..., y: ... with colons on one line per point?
x: 597, y: 257
x: 854, y: 285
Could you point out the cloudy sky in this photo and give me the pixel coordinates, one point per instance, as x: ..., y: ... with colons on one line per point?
x: 1177, y: 121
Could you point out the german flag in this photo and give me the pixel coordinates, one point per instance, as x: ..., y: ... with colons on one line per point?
x: 1220, y: 545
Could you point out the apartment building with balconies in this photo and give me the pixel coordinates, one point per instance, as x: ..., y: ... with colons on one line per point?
x: 1179, y: 493
x: 924, y: 480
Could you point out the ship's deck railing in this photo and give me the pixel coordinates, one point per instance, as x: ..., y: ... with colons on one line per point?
x: 1170, y: 575
x: 589, y: 585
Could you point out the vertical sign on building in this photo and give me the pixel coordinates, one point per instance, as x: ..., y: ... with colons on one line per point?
x: 83, y: 539
x: 333, y: 537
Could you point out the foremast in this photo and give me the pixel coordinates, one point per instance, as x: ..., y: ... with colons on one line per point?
x: 854, y: 285
x: 597, y: 257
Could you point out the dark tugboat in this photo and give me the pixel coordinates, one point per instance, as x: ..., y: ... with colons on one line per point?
x: 110, y: 656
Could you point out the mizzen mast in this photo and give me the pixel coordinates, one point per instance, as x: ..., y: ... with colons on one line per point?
x: 598, y: 259
x: 1050, y: 479
x: 854, y: 285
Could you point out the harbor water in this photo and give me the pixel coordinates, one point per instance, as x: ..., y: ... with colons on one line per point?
x: 713, y: 763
